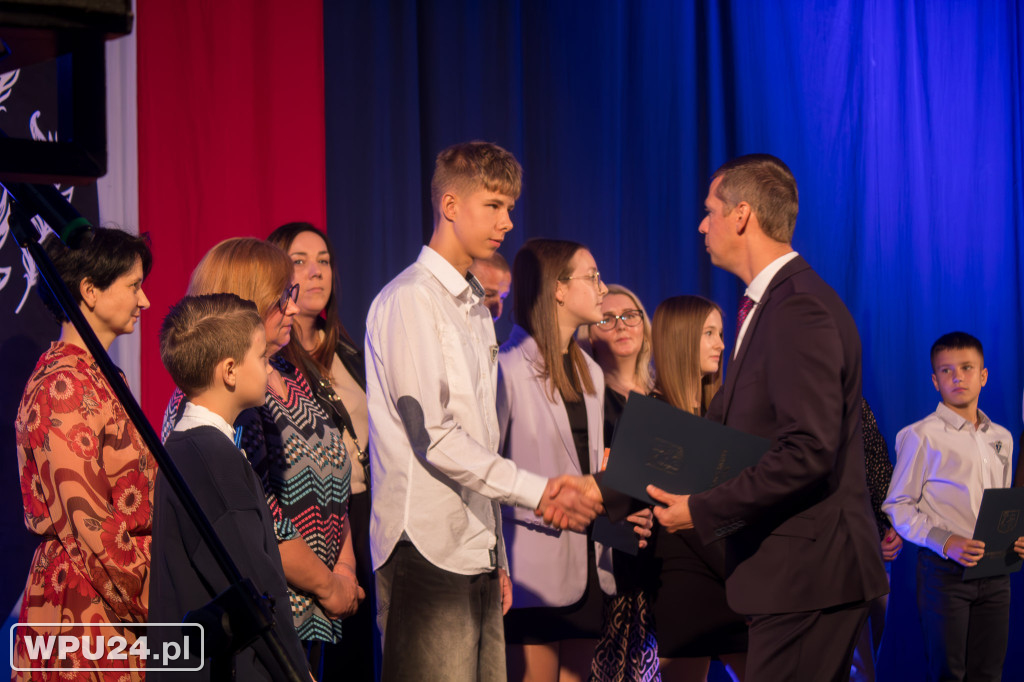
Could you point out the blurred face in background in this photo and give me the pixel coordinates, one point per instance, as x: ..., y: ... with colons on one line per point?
x: 496, y: 284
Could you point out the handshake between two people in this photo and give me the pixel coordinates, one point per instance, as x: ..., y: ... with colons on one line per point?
x: 573, y: 502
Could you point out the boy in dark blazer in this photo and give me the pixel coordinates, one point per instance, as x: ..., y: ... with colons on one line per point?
x: 215, y: 349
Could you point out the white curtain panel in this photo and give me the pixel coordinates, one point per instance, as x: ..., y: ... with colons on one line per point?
x: 118, y: 190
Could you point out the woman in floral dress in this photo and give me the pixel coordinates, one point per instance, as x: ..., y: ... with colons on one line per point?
x: 86, y: 477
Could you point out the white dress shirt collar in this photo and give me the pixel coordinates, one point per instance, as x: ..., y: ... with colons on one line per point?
x: 946, y: 414
x: 447, y: 275
x: 755, y: 292
x: 758, y: 285
x: 197, y: 415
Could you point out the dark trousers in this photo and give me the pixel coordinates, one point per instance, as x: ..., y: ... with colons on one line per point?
x: 966, y: 624
x: 439, y: 625
x: 810, y: 645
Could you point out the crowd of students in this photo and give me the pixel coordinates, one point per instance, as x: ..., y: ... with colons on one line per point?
x: 428, y: 512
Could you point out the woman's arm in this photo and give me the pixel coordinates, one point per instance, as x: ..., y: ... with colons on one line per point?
x: 346, y: 567
x: 304, y: 570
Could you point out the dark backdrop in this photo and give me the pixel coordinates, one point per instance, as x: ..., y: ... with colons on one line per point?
x: 28, y: 110
x: 901, y: 120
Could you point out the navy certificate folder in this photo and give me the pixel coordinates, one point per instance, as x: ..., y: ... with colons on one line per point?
x: 1000, y: 523
x: 678, y: 452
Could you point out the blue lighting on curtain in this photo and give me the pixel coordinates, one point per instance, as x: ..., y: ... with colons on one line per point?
x: 901, y: 120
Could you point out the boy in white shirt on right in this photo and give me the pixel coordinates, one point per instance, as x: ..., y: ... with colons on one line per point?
x: 943, y: 465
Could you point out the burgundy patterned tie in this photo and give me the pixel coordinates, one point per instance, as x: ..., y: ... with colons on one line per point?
x: 746, y: 304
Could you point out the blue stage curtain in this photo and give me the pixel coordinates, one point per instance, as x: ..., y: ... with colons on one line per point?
x: 902, y: 122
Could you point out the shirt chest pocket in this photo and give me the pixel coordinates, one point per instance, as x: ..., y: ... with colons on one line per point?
x: 463, y: 357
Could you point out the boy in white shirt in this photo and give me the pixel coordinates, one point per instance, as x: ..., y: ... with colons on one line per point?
x: 943, y: 465
x: 431, y: 376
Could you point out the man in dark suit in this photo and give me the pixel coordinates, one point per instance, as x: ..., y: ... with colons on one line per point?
x: 803, y: 554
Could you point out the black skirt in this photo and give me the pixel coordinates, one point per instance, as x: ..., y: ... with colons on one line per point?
x: 691, y: 615
x: 544, y: 624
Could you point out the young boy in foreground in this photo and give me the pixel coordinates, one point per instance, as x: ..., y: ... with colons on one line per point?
x: 215, y: 349
x: 943, y: 465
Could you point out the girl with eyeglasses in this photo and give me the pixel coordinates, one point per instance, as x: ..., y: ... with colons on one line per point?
x: 292, y: 444
x: 550, y: 397
x: 688, y: 351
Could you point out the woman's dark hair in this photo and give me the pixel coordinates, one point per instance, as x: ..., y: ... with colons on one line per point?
x: 322, y: 357
x: 103, y: 254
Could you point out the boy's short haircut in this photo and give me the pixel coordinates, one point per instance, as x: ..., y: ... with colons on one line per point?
x: 466, y: 167
x: 956, y: 341
x: 201, y: 331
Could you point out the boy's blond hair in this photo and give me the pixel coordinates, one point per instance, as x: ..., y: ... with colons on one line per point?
x: 464, y: 168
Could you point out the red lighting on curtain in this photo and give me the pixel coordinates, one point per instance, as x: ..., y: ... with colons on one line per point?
x: 231, y: 138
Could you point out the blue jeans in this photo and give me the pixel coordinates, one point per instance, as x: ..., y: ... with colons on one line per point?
x: 966, y: 624
x: 439, y: 625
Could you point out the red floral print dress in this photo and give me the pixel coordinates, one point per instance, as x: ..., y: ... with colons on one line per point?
x: 87, y: 488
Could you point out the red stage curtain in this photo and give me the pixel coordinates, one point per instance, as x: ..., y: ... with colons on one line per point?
x: 231, y: 138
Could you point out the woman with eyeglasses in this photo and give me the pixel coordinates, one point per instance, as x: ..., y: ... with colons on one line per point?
x: 293, y: 446
x: 550, y: 397
x: 621, y: 343
x: 688, y: 350
x: 333, y: 366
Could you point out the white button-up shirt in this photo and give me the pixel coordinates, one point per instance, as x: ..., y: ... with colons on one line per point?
x: 431, y: 379
x: 943, y: 466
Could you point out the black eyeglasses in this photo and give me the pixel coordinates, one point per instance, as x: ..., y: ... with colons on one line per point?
x: 290, y: 294
x: 630, y: 318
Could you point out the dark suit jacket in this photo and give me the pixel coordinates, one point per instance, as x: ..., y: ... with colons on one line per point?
x: 798, y: 526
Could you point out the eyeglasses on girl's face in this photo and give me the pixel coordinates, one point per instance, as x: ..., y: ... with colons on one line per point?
x: 594, y: 278
x: 290, y: 294
x: 629, y: 318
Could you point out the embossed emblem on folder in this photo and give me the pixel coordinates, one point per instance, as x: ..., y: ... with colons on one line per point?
x: 665, y: 456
